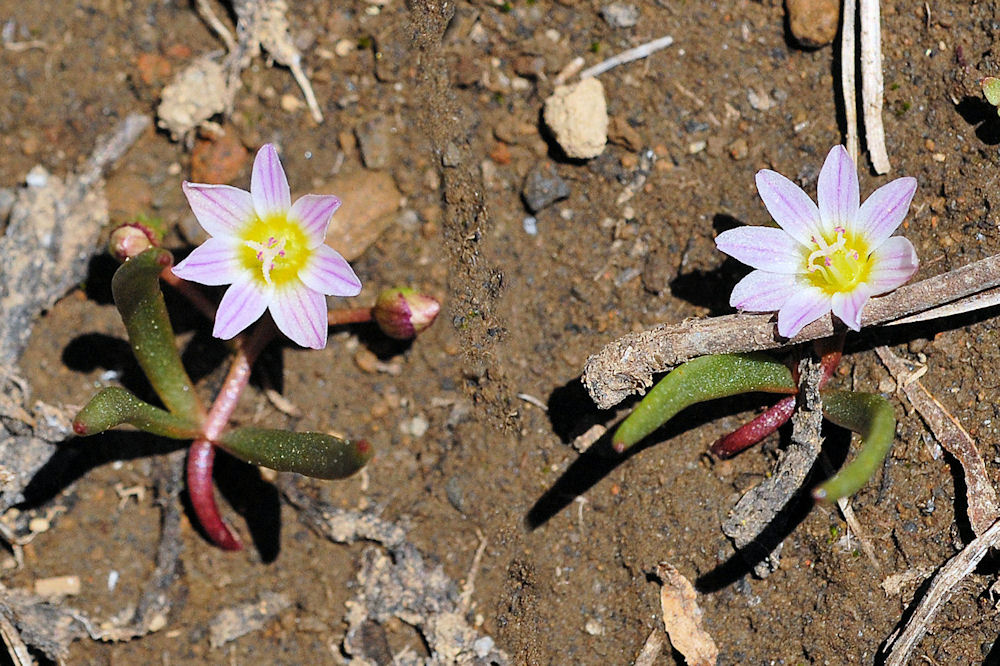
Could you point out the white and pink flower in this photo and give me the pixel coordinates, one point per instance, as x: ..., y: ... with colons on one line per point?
x: 830, y: 257
x: 271, y: 251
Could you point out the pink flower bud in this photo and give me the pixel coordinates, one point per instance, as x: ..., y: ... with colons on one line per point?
x: 131, y: 240
x: 402, y: 312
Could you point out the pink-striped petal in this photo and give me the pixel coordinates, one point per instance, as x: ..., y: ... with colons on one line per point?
x: 790, y: 207
x: 883, y: 212
x: 268, y: 185
x: 805, y: 306
x: 761, y: 291
x: 765, y: 248
x: 314, y: 212
x: 214, y: 262
x: 300, y: 313
x: 329, y: 273
x: 221, y: 210
x: 837, y: 191
x: 847, y: 305
x: 241, y: 305
x: 893, y: 263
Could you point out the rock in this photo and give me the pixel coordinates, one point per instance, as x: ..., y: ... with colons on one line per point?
x: 196, y: 94
x: 543, y: 187
x: 218, y: 159
x: 375, y: 140
x: 620, y: 15
x: 578, y: 117
x: 370, y: 201
x: 813, y: 23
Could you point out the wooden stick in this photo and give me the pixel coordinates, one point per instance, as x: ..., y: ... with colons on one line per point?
x: 942, y: 587
x: 871, y: 83
x: 848, y: 83
x: 627, y: 365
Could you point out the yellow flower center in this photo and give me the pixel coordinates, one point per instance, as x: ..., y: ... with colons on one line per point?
x: 275, y: 246
x: 840, y: 263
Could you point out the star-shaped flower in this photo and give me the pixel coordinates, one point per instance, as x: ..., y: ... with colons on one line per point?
x: 831, y: 257
x: 271, y: 251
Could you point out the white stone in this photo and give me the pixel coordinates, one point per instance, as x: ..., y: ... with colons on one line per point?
x: 578, y: 117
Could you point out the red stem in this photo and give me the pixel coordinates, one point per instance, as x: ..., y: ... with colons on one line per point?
x: 348, y: 316
x: 778, y: 414
x: 202, y: 453
x: 750, y: 433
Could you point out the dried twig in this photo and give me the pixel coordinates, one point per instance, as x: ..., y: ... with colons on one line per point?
x: 844, y: 503
x: 981, y: 496
x: 762, y: 504
x: 626, y: 365
x: 941, y: 589
x: 641, y: 51
x: 848, y: 84
x: 871, y: 83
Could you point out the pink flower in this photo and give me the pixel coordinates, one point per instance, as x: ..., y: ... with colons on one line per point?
x: 833, y: 257
x: 271, y: 251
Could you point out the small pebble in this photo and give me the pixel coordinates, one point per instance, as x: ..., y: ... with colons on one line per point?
x: 37, y: 177
x: 530, y: 225
x: 39, y: 525
x: 813, y: 23
x: 578, y: 117
x: 542, y: 187
x: 620, y: 15
x: 416, y: 426
x: 344, y: 47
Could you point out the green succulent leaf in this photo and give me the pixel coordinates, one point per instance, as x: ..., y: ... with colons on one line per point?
x: 698, y: 380
x: 136, y: 289
x: 872, y: 417
x: 310, y: 453
x: 114, y: 406
x: 991, y: 89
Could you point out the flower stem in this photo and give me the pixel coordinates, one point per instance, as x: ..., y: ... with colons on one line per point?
x: 343, y: 316
x: 201, y: 456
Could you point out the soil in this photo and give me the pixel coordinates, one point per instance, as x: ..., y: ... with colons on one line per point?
x: 451, y: 94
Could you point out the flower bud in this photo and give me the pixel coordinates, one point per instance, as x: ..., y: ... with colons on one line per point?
x: 132, y: 239
x: 402, y: 312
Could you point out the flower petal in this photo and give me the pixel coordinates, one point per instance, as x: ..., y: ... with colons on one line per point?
x: 805, y: 306
x: 329, y: 273
x: 837, y: 191
x: 766, y: 248
x: 221, y: 209
x: 268, y: 185
x: 884, y: 210
x: 761, y: 291
x: 847, y: 305
x: 314, y: 212
x: 300, y: 313
x: 214, y: 262
x: 241, y: 305
x: 790, y: 207
x: 893, y: 263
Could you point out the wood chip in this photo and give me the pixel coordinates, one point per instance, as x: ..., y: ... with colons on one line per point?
x: 682, y: 618
x: 57, y: 586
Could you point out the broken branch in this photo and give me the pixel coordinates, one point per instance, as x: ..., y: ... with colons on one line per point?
x: 627, y: 365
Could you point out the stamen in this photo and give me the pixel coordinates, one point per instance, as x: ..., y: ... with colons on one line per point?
x: 267, y: 253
